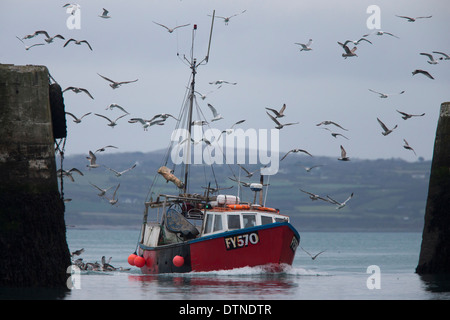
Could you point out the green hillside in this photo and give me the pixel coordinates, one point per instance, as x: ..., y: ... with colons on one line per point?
x: 389, y: 195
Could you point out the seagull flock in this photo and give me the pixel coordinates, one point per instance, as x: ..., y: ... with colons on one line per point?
x: 277, y: 115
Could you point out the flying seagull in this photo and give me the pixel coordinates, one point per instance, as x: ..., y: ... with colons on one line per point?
x: 411, y: 19
x: 77, y: 252
x: 279, y: 125
x: 308, y: 169
x: 170, y: 29
x: 385, y: 95
x: 305, y: 47
x: 29, y: 36
x: 222, y: 82
x: 77, y: 42
x: 29, y: 47
x: 227, y: 19
x: 406, y: 116
x: 445, y: 56
x: 68, y: 173
x: 120, y: 173
x: 296, y: 151
x: 111, y: 123
x: 48, y: 39
x: 340, y: 205
x: 386, y: 130
x: 348, y: 52
x: 75, y: 119
x: 356, y: 42
x: 216, y: 115
x: 115, y: 84
x: 380, y: 33
x: 92, y: 160
x: 73, y: 6
x: 343, y: 155
x: 113, y: 200
x: 327, y: 122
x: 422, y: 72
x: 314, y: 197
x: 104, y: 148
x: 431, y: 59
x: 105, y: 15
x: 408, y: 147
x: 115, y: 105
x: 313, y: 256
x: 278, y: 114
x: 78, y: 90
x: 249, y: 174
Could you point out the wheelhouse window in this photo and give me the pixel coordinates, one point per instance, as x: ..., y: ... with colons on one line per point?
x: 234, y: 221
x: 266, y: 220
x: 249, y: 220
x: 217, y: 222
x: 209, y: 223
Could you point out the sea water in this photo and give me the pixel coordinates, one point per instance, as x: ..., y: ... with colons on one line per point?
x: 354, y: 265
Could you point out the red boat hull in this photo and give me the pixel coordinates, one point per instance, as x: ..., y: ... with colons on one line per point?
x: 272, y: 245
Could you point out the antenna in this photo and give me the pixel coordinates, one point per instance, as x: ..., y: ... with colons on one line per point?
x: 210, y: 35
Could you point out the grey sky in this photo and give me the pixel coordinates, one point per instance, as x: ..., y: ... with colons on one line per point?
x: 257, y: 51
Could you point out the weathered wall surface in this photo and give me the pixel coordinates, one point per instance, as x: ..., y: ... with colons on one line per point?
x: 435, y: 250
x: 33, y: 247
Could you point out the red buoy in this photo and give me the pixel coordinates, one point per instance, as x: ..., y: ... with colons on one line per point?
x: 131, y: 258
x: 139, y: 261
x: 178, y: 261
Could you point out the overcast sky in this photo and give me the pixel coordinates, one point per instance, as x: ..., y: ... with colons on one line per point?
x: 257, y: 50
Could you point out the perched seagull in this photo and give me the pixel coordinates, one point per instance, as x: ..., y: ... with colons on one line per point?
x: 422, y: 72
x: 115, y: 84
x: 118, y: 174
x: 313, y: 256
x: 408, y: 147
x: 327, y: 122
x: 78, y: 42
x: 348, y: 52
x: 105, y: 14
x: 406, y: 116
x: 343, y: 155
x: 445, y: 56
x: 102, y: 191
x: 104, y: 148
x: 78, y: 90
x: 386, y: 130
x: 216, y: 115
x: 410, y: 19
x: 68, y: 173
x: 431, y: 59
x: 340, y: 205
x: 115, y: 105
x: 278, y: 114
x: 222, y: 82
x: 73, y: 6
x: 279, y: 125
x: 313, y: 196
x: 356, y: 42
x: 111, y: 123
x: 92, y: 160
x: 171, y: 29
x: 227, y: 19
x: 29, y: 47
x: 113, y: 200
x: 305, y: 47
x: 75, y: 119
x: 296, y: 151
x: 384, y: 95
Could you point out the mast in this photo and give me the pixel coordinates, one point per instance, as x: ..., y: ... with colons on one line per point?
x: 193, y: 65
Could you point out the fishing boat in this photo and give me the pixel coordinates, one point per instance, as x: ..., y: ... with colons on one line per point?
x: 194, y: 231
